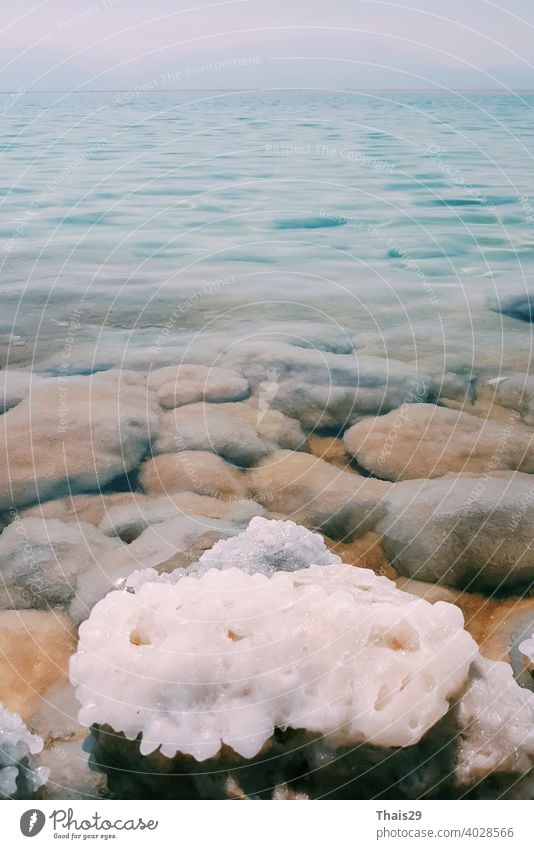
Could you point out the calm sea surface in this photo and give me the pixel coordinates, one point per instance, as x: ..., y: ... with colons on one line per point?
x: 292, y: 205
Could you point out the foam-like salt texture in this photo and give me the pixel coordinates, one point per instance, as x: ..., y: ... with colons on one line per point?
x: 228, y: 657
x: 18, y: 774
x: 268, y: 546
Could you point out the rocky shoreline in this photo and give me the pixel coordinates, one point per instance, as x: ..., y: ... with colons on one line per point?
x: 420, y: 477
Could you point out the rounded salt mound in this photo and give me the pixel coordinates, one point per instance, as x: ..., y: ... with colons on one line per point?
x: 228, y: 657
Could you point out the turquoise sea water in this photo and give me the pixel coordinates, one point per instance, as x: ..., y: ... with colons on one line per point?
x: 373, y: 209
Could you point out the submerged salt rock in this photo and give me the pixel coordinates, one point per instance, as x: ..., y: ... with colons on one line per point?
x: 473, y: 533
x: 189, y: 383
x: 128, y: 521
x: 519, y: 306
x: 316, y: 494
x: 35, y: 646
x: 238, y: 432
x: 83, y: 508
x: 496, y: 721
x: 73, y: 434
x: 15, y: 385
x: 19, y: 776
x: 516, y: 391
x: 451, y: 386
x: 326, y: 390
x: 192, y: 471
x: 336, y: 651
x: 41, y: 560
x: 268, y: 546
x: 425, y: 441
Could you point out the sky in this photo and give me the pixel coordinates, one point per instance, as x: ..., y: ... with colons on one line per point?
x: 58, y: 45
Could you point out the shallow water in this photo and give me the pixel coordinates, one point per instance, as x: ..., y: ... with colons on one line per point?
x: 141, y: 230
x: 394, y: 214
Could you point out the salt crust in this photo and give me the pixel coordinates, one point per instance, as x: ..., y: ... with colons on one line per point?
x: 18, y: 774
x: 227, y: 657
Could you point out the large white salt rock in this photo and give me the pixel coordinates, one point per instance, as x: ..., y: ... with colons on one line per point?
x: 19, y: 776
x: 229, y: 657
x: 268, y: 546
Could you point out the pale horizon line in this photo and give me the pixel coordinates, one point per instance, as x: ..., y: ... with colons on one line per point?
x: 140, y: 91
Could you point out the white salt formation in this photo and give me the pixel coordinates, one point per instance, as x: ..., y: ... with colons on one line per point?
x: 268, y: 546
x: 496, y: 719
x: 526, y: 649
x: 19, y: 776
x: 228, y: 657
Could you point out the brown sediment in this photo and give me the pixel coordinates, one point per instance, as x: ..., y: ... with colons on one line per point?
x: 35, y: 647
x: 331, y: 449
x: 366, y: 552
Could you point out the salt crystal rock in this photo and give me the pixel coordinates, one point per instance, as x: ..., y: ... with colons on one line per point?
x: 74, y: 434
x: 313, y: 493
x: 496, y: 721
x: 268, y: 546
x: 425, y: 441
x: 336, y: 651
x: 15, y: 385
x: 19, y: 777
x: 238, y: 432
x: 43, y: 558
x: 326, y: 390
x: 472, y: 533
x: 192, y: 471
x: 35, y: 646
x: 189, y: 383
